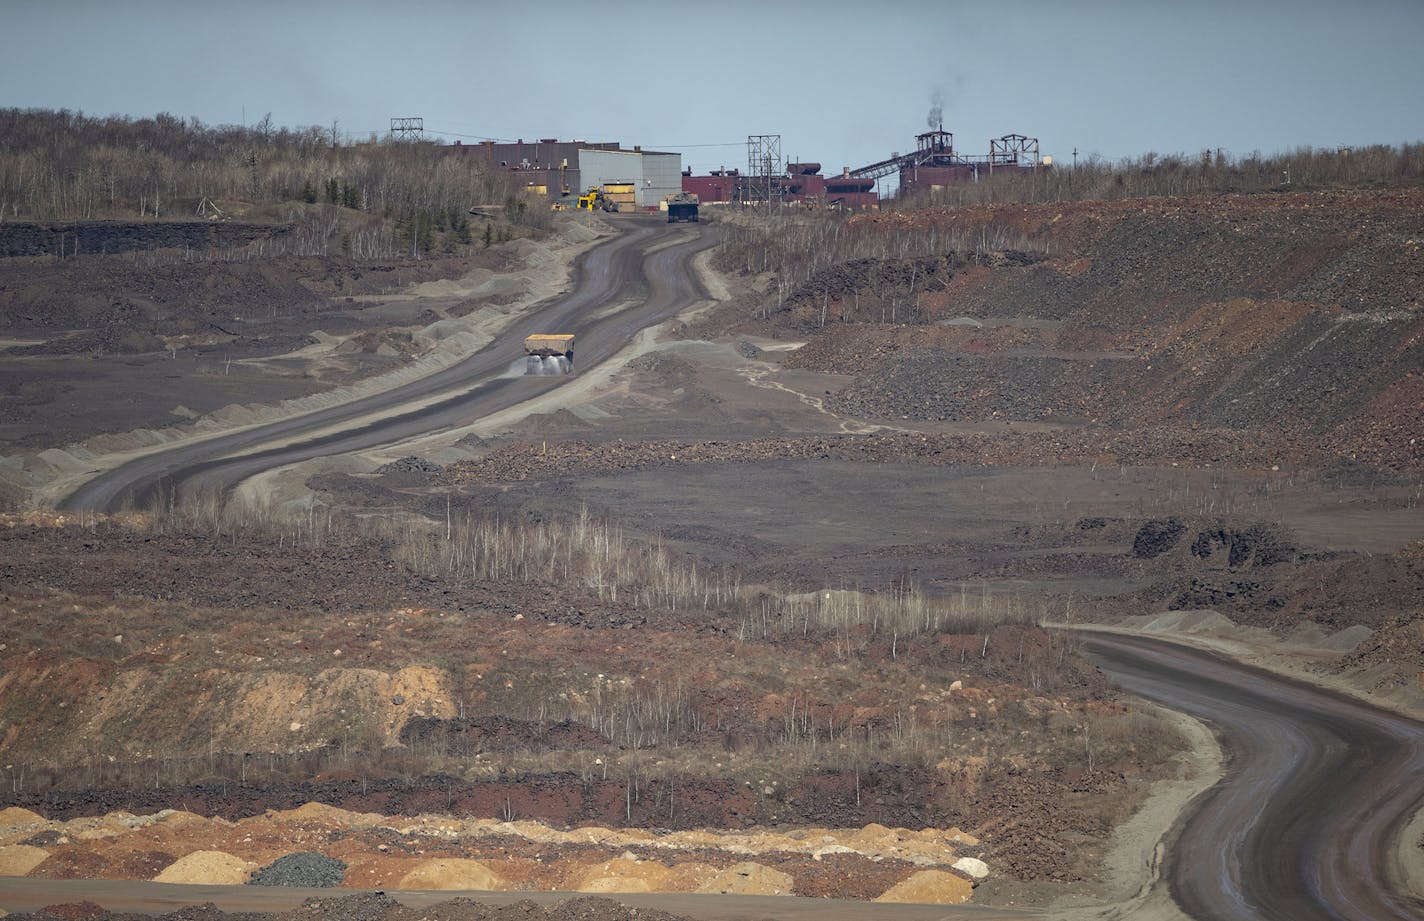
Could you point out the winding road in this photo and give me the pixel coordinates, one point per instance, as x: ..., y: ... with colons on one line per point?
x: 639, y: 278
x: 1306, y: 825
x: 1308, y: 822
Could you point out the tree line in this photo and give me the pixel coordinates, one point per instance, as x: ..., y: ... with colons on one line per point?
x: 1210, y: 172
x: 68, y: 166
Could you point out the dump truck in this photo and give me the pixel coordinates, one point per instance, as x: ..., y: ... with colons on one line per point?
x: 682, y: 206
x: 549, y: 353
x: 619, y: 196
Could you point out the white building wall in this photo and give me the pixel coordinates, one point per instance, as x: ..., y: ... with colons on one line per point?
x: 655, y: 175
x: 600, y: 167
x: 662, y: 176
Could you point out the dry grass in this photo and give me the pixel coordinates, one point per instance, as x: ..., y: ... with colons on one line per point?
x: 797, y: 246
x: 853, y: 687
x: 596, y: 556
x: 1207, y: 173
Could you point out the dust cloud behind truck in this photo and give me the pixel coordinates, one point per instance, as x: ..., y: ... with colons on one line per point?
x: 549, y: 353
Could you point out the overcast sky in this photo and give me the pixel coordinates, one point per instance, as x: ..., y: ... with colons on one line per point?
x: 843, y: 83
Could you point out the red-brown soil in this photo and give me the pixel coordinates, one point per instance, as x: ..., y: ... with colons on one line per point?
x: 1204, y: 403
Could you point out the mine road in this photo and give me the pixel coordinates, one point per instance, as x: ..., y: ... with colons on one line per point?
x: 1308, y: 822
x: 646, y: 268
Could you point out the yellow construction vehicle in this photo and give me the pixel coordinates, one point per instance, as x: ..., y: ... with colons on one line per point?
x: 589, y: 200
x: 619, y: 196
x: 549, y: 353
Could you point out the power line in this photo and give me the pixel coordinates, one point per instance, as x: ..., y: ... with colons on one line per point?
x: 473, y: 137
x: 680, y: 146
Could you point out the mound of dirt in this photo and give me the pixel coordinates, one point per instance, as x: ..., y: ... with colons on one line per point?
x: 748, y: 878
x: 14, y: 815
x: 935, y: 887
x: 1156, y: 537
x: 1394, y: 653
x: 207, y: 868
x: 624, y: 874
x: 20, y: 859
x: 409, y: 465
x: 330, y: 815
x: 1186, y: 621
x: 453, y: 873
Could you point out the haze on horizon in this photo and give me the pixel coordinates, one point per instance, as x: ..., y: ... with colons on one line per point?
x: 844, y: 84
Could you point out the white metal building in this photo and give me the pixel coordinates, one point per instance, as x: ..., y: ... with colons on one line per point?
x: 655, y: 174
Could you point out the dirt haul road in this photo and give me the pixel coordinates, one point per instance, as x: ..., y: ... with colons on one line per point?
x: 638, y: 279
x: 1312, y: 818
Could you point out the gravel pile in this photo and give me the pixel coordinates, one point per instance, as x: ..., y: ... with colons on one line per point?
x: 409, y: 465
x: 368, y: 906
x: 308, y: 870
x: 1156, y: 537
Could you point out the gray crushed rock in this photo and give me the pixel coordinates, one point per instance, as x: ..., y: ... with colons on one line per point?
x: 409, y: 465
x: 307, y: 869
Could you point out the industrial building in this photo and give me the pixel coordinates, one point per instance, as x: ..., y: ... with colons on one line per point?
x: 934, y: 163
x: 799, y: 184
x: 566, y: 169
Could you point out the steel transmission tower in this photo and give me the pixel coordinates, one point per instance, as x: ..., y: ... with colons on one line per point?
x: 764, y: 166
x: 407, y: 129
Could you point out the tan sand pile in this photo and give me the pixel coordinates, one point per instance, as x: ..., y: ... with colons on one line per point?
x: 930, y: 847
x: 331, y: 815
x: 14, y: 815
x: 19, y: 859
x: 452, y: 873
x: 632, y: 860
x: 624, y: 874
x: 688, y: 877
x: 935, y: 887
x: 749, y: 878
x: 207, y: 868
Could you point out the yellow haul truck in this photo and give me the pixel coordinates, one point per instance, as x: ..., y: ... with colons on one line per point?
x: 549, y: 353
x: 619, y: 196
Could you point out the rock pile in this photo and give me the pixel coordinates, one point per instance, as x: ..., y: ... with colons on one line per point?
x: 307, y: 870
